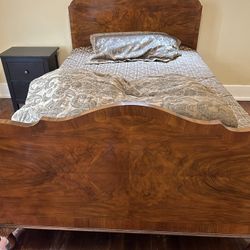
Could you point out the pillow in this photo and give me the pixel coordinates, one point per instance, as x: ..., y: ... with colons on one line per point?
x: 134, y: 46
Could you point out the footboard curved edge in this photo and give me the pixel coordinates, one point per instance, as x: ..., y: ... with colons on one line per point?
x: 126, y: 167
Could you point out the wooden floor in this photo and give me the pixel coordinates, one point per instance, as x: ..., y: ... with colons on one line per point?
x: 53, y: 240
x: 62, y: 240
x: 6, y: 109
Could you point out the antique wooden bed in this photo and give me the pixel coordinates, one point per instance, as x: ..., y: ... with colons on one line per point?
x: 127, y: 167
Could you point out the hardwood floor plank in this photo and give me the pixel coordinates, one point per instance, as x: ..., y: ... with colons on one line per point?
x: 6, y: 109
x: 62, y: 240
x: 246, y: 106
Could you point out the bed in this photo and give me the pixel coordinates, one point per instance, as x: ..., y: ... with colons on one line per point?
x: 130, y: 167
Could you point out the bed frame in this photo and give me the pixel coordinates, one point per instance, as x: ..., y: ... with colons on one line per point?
x: 180, y: 18
x: 128, y: 167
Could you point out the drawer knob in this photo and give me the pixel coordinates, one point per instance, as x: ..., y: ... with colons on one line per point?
x: 26, y: 72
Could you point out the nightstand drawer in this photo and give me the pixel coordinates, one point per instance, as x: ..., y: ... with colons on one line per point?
x: 25, y: 71
x: 20, y: 90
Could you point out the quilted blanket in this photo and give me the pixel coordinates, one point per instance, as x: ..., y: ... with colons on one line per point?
x: 69, y: 92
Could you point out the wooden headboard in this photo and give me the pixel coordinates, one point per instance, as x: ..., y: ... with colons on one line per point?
x: 180, y: 18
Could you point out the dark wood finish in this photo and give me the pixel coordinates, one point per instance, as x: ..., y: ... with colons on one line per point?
x: 126, y: 168
x: 178, y: 18
x: 61, y: 240
x: 24, y: 64
x: 246, y: 106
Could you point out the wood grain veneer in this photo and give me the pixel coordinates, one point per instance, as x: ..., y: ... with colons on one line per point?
x: 126, y: 168
x: 178, y: 18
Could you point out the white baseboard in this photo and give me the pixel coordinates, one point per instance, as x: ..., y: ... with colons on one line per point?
x: 239, y: 92
x: 4, y: 91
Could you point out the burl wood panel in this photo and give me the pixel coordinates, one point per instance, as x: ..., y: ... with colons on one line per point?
x: 180, y: 18
x: 126, y: 168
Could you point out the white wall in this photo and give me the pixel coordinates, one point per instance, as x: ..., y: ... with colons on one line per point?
x: 224, y: 37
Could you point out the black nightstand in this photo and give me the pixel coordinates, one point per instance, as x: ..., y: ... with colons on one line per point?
x: 24, y: 64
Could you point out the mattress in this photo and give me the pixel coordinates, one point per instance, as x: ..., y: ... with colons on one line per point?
x: 189, y: 64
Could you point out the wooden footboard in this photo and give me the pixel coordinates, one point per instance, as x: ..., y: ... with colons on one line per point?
x: 128, y: 168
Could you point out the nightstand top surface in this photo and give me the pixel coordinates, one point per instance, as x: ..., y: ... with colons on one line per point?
x: 29, y: 52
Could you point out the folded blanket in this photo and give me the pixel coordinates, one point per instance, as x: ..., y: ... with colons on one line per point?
x: 65, y: 93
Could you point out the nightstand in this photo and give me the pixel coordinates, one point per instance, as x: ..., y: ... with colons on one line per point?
x: 24, y: 64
